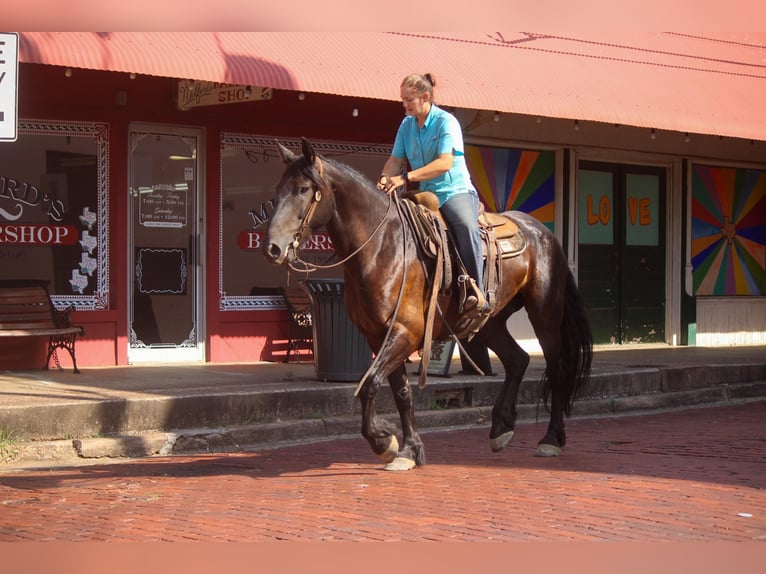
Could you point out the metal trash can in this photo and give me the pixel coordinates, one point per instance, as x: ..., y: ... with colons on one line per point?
x: 341, y: 353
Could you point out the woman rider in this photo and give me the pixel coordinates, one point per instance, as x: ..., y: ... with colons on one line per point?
x: 431, y: 141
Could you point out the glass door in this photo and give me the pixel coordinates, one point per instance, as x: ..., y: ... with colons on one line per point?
x: 621, y: 251
x: 164, y: 246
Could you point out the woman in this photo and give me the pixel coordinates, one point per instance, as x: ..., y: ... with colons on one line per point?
x: 431, y: 140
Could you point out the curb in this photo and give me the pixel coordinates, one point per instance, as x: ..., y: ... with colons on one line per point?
x: 100, y: 450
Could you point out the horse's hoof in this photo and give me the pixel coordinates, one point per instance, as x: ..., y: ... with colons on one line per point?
x: 500, y: 442
x: 400, y: 463
x: 547, y: 450
x: 390, y: 453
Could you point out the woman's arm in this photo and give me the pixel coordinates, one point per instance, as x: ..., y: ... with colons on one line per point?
x: 391, y: 179
x: 440, y: 165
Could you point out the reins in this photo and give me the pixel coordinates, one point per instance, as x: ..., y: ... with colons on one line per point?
x: 376, y: 360
x: 311, y: 267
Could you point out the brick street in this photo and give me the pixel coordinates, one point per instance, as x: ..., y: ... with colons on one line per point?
x: 692, y: 475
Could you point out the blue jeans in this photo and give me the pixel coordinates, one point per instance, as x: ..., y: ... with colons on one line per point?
x: 461, y: 212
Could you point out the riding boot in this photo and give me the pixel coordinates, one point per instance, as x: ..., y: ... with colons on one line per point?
x: 476, y: 303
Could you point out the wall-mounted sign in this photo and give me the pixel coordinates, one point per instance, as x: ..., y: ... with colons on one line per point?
x: 163, y: 206
x: 195, y: 93
x: 9, y: 85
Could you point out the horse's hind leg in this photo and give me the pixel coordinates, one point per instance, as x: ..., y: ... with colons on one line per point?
x: 555, y: 437
x: 515, y: 361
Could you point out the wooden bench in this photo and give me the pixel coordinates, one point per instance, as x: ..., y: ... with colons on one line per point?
x: 26, y: 310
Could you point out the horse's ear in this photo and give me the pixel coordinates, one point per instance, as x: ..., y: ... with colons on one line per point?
x: 308, y: 151
x: 287, y: 155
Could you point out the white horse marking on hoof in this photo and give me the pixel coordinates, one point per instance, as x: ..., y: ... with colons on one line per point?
x: 400, y: 463
x: 390, y: 453
x: 547, y: 450
x: 500, y: 442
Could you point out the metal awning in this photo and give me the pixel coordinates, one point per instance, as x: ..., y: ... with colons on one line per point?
x: 706, y: 83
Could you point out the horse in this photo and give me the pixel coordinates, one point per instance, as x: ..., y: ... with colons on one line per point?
x: 387, y: 293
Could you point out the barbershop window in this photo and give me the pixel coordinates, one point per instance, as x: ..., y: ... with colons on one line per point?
x: 250, y: 170
x: 53, y: 205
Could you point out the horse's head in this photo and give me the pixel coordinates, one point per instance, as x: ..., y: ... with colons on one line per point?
x: 303, y: 202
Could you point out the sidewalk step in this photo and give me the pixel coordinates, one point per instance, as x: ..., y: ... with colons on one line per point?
x: 260, y: 435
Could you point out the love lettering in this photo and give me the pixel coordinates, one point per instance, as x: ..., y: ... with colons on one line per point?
x: 639, y: 210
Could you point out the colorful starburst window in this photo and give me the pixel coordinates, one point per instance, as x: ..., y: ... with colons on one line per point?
x: 728, y: 231
x: 509, y: 178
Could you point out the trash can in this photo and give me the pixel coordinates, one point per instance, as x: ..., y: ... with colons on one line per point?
x: 341, y: 353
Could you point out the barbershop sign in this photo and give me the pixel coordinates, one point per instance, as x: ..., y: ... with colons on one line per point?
x: 195, y: 93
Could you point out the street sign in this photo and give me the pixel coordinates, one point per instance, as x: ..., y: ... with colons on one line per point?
x: 9, y: 85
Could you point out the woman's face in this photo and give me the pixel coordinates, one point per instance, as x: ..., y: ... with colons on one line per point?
x: 415, y: 104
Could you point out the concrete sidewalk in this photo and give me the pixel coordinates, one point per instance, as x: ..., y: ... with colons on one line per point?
x: 58, y: 417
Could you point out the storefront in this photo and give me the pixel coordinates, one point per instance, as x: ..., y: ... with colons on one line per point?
x: 144, y: 208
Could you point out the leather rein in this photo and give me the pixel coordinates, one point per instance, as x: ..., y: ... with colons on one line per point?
x: 311, y: 267
x: 304, y: 228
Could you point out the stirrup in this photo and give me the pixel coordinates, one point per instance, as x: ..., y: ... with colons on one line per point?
x: 467, y: 302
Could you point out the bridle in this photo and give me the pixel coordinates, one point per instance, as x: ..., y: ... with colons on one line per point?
x: 311, y: 267
x: 303, y: 229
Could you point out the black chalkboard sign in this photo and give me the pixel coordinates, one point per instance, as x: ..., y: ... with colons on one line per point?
x: 161, y: 271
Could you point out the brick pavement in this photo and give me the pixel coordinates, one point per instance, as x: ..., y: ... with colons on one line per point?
x: 695, y: 475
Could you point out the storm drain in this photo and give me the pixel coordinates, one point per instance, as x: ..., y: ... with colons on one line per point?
x: 453, y: 398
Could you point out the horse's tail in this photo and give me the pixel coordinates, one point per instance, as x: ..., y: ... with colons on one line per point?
x: 576, y: 344
x: 576, y: 348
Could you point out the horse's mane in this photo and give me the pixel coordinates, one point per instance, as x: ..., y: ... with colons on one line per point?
x: 361, y: 180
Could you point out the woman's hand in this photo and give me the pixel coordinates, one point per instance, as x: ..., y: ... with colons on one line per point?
x: 390, y: 184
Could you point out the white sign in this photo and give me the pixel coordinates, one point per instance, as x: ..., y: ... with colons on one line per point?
x: 165, y: 206
x: 193, y: 93
x: 9, y: 85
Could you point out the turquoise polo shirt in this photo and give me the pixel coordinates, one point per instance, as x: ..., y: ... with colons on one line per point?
x: 441, y: 133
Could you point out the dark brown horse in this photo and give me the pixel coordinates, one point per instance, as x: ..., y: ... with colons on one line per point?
x: 387, y: 292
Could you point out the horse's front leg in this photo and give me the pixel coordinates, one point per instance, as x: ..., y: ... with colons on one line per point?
x: 412, y: 451
x: 377, y: 431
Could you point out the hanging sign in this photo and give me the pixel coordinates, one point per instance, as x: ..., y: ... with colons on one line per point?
x: 9, y: 85
x: 163, y: 206
x: 195, y: 93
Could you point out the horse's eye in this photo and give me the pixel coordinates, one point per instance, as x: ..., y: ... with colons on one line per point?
x: 304, y: 189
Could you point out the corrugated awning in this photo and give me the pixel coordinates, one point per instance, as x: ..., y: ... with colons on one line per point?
x: 711, y: 84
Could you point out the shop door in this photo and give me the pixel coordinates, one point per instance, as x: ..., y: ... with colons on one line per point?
x: 621, y: 251
x: 164, y: 246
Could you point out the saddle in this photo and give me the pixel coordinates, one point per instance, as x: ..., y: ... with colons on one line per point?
x: 501, y: 239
